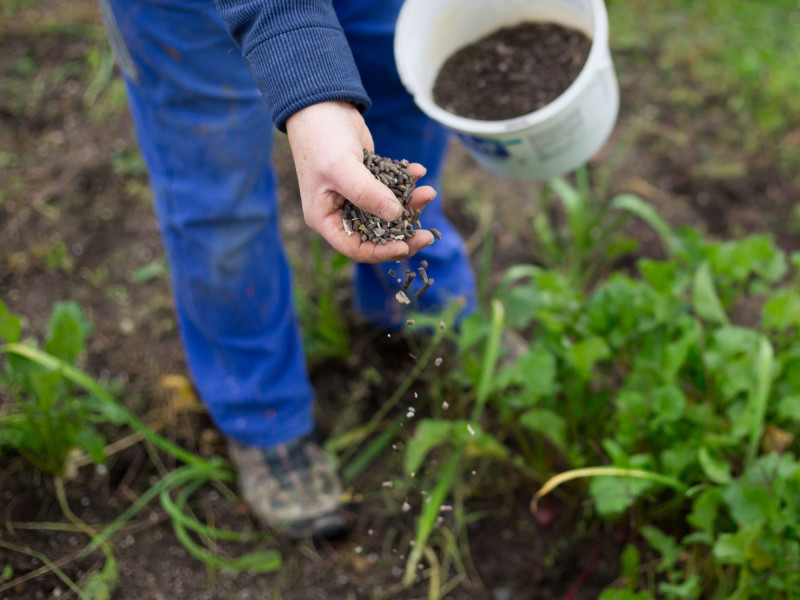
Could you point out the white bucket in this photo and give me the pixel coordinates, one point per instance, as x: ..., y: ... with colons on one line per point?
x: 550, y: 141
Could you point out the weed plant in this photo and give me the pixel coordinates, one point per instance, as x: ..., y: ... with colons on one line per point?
x: 671, y: 397
x: 53, y: 414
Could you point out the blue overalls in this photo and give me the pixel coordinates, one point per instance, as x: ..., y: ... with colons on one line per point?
x: 206, y: 136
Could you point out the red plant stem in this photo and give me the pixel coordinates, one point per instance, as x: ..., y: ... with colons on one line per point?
x: 572, y: 592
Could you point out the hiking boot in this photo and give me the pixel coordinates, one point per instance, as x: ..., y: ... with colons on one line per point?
x: 291, y: 488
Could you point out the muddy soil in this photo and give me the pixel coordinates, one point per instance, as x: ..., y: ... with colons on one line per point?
x: 511, y: 72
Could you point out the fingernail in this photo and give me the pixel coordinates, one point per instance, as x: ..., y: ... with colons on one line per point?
x: 390, y: 211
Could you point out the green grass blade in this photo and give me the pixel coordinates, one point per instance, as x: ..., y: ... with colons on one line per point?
x: 264, y: 561
x: 83, y: 380
x: 368, y: 455
x: 756, y: 408
x: 490, y: 357
x: 557, y: 480
x: 430, y: 512
x: 638, y: 207
x: 48, y: 566
x: 575, y: 207
x: 434, y: 501
x: 175, y: 478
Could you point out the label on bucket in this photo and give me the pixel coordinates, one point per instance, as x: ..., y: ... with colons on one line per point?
x: 494, y: 148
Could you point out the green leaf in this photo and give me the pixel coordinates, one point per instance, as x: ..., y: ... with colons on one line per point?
x: 67, y: 331
x: 736, y: 548
x: 664, y: 544
x: 716, y: 468
x: 586, y: 353
x: 630, y: 560
x: 669, y: 403
x: 473, y: 329
x: 538, y: 370
x: 613, y: 495
x: 677, y: 457
x: 705, y: 301
x: 789, y: 408
x: 150, y: 271
x: 752, y: 418
x: 546, y: 423
x: 661, y: 275
x: 428, y: 434
x: 7, y: 574
x: 10, y: 325
x: 728, y: 549
x: 638, y: 207
x: 782, y: 310
x: 677, y: 352
x: 521, y: 302
x: 44, y: 385
x: 112, y: 412
x: 750, y: 504
x: 480, y: 443
x: 705, y: 509
x: 688, y: 590
x: 92, y: 442
x: 534, y: 371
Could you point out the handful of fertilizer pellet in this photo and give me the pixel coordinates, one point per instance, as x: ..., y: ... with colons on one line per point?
x: 393, y: 174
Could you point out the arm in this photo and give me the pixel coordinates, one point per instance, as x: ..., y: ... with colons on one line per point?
x: 301, y: 62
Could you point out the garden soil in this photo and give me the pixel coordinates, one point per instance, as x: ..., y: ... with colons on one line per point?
x: 511, y: 72
x: 76, y: 222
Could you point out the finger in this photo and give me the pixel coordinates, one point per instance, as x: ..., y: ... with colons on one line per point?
x: 369, y: 252
x: 421, y: 196
x: 422, y: 238
x: 392, y: 251
x: 352, y: 246
x: 417, y: 170
x: 354, y: 181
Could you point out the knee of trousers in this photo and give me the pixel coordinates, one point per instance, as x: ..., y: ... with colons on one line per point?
x: 231, y: 279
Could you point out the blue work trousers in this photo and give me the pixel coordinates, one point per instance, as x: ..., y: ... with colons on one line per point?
x: 206, y: 136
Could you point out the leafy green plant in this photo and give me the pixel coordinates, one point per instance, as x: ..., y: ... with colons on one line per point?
x: 657, y: 371
x: 675, y: 392
x: 55, y: 408
x: 46, y: 418
x: 586, y: 240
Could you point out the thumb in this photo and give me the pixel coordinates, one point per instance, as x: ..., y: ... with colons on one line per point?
x: 357, y: 184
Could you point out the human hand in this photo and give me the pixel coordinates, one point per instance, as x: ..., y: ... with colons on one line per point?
x: 327, y: 141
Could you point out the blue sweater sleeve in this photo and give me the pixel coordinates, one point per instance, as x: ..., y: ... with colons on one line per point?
x: 297, y: 53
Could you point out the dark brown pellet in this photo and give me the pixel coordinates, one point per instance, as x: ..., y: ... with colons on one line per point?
x: 409, y: 278
x: 423, y: 274
x: 392, y: 273
x: 391, y: 173
x: 425, y: 287
x: 424, y: 263
x: 436, y: 233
